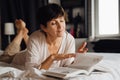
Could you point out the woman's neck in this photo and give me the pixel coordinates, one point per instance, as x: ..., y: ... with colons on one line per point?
x: 52, y: 40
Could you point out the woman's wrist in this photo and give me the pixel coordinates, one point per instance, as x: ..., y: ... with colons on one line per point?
x: 47, y: 63
x: 52, y: 57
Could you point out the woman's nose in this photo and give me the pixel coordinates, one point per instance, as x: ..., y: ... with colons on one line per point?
x: 59, y: 26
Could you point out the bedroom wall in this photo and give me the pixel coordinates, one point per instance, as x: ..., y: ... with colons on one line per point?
x: 31, y: 23
x: 0, y: 25
x: 0, y: 35
x: 0, y: 29
x: 19, y: 9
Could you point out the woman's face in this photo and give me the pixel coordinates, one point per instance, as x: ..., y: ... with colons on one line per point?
x: 55, y: 27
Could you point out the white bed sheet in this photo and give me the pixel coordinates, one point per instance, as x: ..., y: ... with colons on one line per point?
x: 111, y: 62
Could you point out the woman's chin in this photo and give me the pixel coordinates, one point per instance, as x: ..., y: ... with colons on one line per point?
x: 61, y: 34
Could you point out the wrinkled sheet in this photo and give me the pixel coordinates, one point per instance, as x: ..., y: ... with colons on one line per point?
x: 110, y: 63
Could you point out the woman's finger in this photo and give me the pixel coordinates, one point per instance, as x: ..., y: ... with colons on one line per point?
x: 64, y: 56
x: 84, y: 44
x: 83, y: 51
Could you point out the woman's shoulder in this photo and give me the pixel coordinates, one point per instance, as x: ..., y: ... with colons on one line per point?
x: 68, y: 35
x: 37, y: 37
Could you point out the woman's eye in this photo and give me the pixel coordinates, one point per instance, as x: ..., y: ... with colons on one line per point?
x: 62, y: 20
x: 53, y: 23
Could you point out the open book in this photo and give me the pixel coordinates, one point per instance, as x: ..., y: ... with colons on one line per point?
x: 83, y: 64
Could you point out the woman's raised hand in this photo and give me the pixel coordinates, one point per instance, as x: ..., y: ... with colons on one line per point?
x: 82, y: 48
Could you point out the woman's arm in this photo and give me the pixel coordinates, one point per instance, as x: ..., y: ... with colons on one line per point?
x: 48, y: 62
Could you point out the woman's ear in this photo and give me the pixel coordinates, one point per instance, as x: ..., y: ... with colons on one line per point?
x: 43, y: 28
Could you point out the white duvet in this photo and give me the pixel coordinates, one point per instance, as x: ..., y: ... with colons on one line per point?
x: 112, y: 72
x: 111, y: 63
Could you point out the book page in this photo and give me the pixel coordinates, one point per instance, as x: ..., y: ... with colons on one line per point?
x: 83, y: 64
x: 64, y: 72
x: 85, y: 61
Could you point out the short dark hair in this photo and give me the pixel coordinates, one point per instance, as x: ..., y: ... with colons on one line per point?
x: 49, y: 12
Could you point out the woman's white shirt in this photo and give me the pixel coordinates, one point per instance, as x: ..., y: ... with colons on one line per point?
x: 37, y: 50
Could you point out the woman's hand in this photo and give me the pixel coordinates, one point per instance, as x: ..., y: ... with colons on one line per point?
x: 61, y: 56
x: 82, y: 48
x: 49, y: 61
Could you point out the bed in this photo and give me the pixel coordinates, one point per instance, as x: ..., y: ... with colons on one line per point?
x: 110, y: 62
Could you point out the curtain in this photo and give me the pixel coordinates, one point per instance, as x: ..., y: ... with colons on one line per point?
x: 19, y: 9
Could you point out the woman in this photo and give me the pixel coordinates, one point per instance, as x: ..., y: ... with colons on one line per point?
x: 51, y: 46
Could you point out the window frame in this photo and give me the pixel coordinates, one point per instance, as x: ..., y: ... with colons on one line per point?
x: 95, y: 22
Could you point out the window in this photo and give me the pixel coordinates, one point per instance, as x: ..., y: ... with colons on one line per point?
x: 105, y: 14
